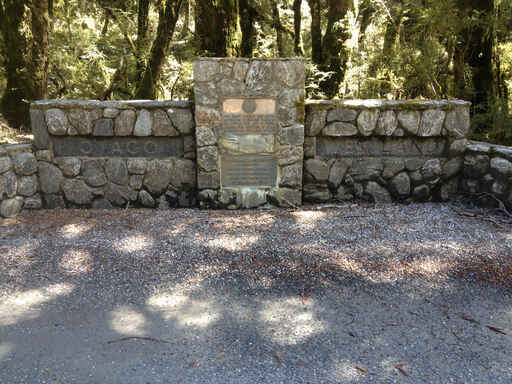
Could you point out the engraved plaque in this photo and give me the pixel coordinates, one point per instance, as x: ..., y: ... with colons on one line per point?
x: 153, y: 147
x: 248, y: 171
x: 376, y: 147
x: 249, y: 116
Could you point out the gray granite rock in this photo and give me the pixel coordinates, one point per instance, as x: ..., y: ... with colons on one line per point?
x: 70, y: 166
x: 316, y: 193
x: 387, y: 123
x: 93, y: 173
x: 182, y: 120
x: 5, y: 164
x: 76, y: 191
x: 315, y: 122
x: 458, y: 147
x: 318, y: 169
x: 206, y: 115
x: 367, y: 121
x: 103, y: 127
x: 25, y: 164
x: 230, y: 87
x: 498, y: 188
x: 293, y: 135
x: 50, y: 177
x: 291, y: 176
x: 110, y: 113
x: 410, y: 121
x: 53, y: 201
x: 120, y: 195
x: 458, y: 122
x: 421, y: 193
x: 82, y: 120
x: 502, y: 167
x: 476, y: 165
x: 137, y: 166
x: 240, y: 69
x: 341, y: 114
x: 431, y: 123
x: 143, y: 124
x: 290, y: 154
x: 207, y: 158
x: 57, y: 122
x: 208, y: 180
x: 101, y: 203
x: 392, y: 167
x: 378, y: 193
x: 205, y: 136
x: 116, y: 171
x: 136, y: 181
x: 8, y: 185
x: 367, y: 169
x: 162, y: 125
x: 158, y: 176
x: 183, y: 174
x: 309, y: 147
x: 401, y: 184
x: 259, y: 77
x: 340, y: 129
x: 205, y: 70
x: 146, y: 200
x: 27, y: 185
x: 11, y: 207
x: 39, y: 129
x: 125, y: 122
x: 251, y: 197
x: 338, y: 171
x: 288, y: 197
x: 44, y: 155
x: 33, y: 202
x: 431, y: 169
x: 206, y: 93
x: 452, y: 167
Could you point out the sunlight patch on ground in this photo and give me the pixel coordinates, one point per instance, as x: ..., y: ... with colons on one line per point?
x: 71, y: 231
x: 127, y: 321
x: 234, y: 242
x: 5, y: 349
x: 186, y: 311
x: 26, y: 305
x: 308, y: 219
x: 292, y: 321
x: 76, y: 262
x: 345, y: 371
x: 134, y: 243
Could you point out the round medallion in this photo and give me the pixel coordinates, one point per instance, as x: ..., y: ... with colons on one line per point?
x: 249, y: 106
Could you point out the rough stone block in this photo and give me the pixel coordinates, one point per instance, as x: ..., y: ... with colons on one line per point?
x: 367, y: 121
x: 11, y: 207
x: 182, y: 120
x: 208, y: 158
x: 50, y: 178
x: 387, y: 123
x: 76, y: 191
x: 341, y: 114
x: 401, y: 184
x: 116, y: 171
x: 104, y: 127
x: 315, y: 122
x: 39, y: 129
x: 5, y: 164
x: 33, y: 202
x: 457, y: 123
x: 8, y: 185
x: 340, y: 129
x: 162, y: 125
x: 431, y: 123
x: 25, y: 164
x: 205, y: 136
x: 208, y: 180
x: 136, y: 166
x: 125, y: 122
x: 410, y: 121
x: 27, y: 185
x: 143, y: 124
x: 93, y: 173
x: 293, y: 135
x: 378, y: 193
x: 70, y: 166
x: 291, y: 176
x: 318, y: 169
x: 56, y: 121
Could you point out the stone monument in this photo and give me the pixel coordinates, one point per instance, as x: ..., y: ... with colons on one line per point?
x: 250, y: 132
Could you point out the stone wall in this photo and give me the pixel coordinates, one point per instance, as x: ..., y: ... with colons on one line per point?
x: 250, y: 132
x: 487, y: 173
x: 19, y: 185
x: 114, y: 154
x: 384, y: 150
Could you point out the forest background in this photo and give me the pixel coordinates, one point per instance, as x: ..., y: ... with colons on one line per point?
x: 143, y: 49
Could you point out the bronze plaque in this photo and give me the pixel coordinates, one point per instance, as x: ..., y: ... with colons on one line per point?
x: 153, y: 147
x: 249, y: 116
x: 248, y: 171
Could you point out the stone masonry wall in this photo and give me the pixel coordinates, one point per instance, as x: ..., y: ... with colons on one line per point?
x: 107, y: 154
x: 487, y: 173
x: 384, y: 150
x: 19, y: 185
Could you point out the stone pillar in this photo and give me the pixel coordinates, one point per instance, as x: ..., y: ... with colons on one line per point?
x: 250, y: 133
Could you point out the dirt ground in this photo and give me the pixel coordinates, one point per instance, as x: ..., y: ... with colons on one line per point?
x: 416, y: 293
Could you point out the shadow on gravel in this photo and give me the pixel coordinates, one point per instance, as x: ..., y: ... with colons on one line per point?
x: 252, y: 297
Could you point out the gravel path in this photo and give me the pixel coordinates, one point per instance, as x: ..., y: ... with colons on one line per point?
x: 349, y: 294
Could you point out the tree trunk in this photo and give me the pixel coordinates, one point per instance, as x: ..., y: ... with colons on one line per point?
x: 334, y: 54
x: 476, y: 44
x: 276, y: 20
x: 217, y: 27
x: 297, y: 22
x: 316, y: 31
x: 168, y: 16
x: 25, y: 56
x: 141, y: 45
x: 247, y: 18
